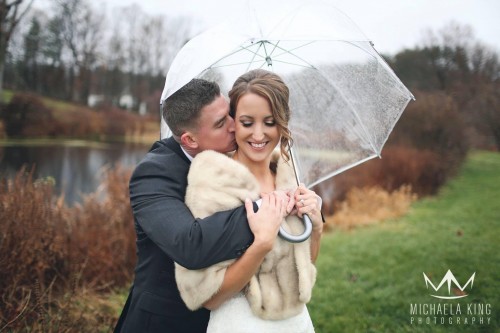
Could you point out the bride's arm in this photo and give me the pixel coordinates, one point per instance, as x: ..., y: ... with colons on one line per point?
x: 264, y: 225
x: 316, y: 242
x: 239, y: 274
x: 308, y: 202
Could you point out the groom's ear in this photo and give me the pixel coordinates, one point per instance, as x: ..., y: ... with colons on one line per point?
x: 188, y: 140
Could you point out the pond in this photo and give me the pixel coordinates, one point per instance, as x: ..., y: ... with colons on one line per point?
x: 75, y: 165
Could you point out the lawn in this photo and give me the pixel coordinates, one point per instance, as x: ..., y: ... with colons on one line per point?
x: 369, y: 277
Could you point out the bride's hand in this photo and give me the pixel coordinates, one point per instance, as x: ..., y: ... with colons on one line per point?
x: 308, y: 202
x: 288, y: 198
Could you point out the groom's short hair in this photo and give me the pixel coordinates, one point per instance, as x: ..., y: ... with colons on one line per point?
x: 182, y: 109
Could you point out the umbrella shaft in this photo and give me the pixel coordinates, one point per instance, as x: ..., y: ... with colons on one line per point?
x: 294, y: 165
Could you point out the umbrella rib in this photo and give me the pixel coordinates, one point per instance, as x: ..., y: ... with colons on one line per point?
x: 291, y: 63
x: 263, y: 43
x: 268, y: 58
x: 275, y: 46
x: 254, y: 54
x: 294, y: 55
x: 247, y: 48
x: 298, y: 47
x: 235, y: 64
x: 263, y: 63
x: 234, y: 52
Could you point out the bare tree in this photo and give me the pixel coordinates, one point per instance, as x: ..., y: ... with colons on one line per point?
x: 53, y: 42
x: 11, y: 13
x: 67, y: 53
x: 114, y: 62
x: 484, y: 62
x: 147, y: 46
x: 32, y: 52
x: 456, y: 56
x: 468, y: 70
x: 82, y: 31
x: 166, y: 36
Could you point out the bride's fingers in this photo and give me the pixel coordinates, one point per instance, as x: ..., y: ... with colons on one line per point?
x: 284, y: 208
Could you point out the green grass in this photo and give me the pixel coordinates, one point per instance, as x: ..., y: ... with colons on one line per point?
x: 367, y: 278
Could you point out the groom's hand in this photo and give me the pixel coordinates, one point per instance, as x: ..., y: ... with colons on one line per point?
x: 266, y: 222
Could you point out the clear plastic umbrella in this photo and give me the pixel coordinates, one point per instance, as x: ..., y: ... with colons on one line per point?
x: 344, y: 98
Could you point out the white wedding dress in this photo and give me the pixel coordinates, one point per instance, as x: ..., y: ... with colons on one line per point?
x: 235, y: 316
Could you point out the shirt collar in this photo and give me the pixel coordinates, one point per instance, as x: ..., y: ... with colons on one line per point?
x: 190, y: 158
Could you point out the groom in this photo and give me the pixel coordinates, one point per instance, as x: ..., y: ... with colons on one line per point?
x: 198, y: 116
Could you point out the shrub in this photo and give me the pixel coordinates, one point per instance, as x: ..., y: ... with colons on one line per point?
x: 26, y: 115
x: 118, y: 122
x: 433, y: 123
x: 370, y: 205
x: 79, y: 122
x: 32, y: 251
x: 421, y: 169
x: 50, y: 252
x: 103, y: 234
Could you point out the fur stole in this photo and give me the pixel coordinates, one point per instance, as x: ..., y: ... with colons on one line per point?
x: 286, y: 277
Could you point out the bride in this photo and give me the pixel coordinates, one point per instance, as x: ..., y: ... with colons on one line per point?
x: 269, y: 295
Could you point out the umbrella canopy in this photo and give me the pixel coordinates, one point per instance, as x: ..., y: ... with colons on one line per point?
x: 344, y: 98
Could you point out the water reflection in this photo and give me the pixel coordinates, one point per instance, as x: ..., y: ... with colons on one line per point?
x: 76, y: 169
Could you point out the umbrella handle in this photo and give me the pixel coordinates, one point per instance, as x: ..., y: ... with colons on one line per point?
x: 298, y: 238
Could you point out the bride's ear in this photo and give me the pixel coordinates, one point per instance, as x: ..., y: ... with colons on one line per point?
x: 188, y: 140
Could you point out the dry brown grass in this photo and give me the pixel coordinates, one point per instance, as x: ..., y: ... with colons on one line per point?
x: 79, y: 310
x: 370, y: 205
x: 53, y: 256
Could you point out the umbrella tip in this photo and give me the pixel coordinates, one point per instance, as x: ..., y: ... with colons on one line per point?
x: 269, y: 61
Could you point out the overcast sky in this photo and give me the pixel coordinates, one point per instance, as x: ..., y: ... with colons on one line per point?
x: 390, y: 24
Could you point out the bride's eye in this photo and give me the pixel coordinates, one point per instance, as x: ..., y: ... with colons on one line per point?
x: 270, y: 123
x: 246, y: 124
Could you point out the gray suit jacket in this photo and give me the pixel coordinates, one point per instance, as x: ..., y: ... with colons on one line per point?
x: 167, y: 232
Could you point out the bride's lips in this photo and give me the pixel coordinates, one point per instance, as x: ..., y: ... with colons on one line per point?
x: 258, y: 146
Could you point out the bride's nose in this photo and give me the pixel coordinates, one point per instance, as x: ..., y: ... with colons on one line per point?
x: 258, y: 133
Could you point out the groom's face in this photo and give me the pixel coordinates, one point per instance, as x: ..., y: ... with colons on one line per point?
x: 215, y: 128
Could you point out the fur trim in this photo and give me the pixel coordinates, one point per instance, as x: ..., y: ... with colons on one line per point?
x: 286, y: 276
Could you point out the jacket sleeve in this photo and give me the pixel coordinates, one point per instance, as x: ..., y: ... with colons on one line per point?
x: 157, y: 189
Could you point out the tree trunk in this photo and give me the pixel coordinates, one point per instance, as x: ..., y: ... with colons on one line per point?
x: 10, y: 15
x: 2, y: 69
x: 3, y: 54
